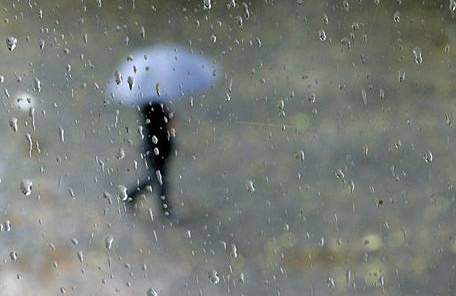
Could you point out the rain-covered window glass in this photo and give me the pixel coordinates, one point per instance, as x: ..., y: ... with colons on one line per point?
x: 229, y: 147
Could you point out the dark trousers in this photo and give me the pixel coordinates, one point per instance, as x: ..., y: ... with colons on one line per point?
x: 158, y: 145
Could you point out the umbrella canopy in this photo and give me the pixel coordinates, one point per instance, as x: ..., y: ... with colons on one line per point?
x: 161, y: 73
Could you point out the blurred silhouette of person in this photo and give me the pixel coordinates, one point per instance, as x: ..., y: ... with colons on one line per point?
x: 151, y: 78
x: 158, y: 147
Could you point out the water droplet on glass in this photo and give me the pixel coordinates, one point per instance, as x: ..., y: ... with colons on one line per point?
x: 418, y: 56
x: 339, y: 174
x: 427, y: 156
x: 300, y: 155
x: 151, y: 292
x: 80, y: 256
x: 159, y: 176
x: 26, y: 187
x: 452, y: 6
x: 123, y: 195
x: 118, y: 77
x: 130, y: 82
x: 157, y: 89
x: 7, y: 225
x: 214, y: 277
x: 401, y: 76
x: 233, y: 251
x: 245, y: 8
x: 61, y: 134
x: 322, y: 35
x: 37, y: 85
x: 207, y: 4
x: 121, y: 154
x: 397, y: 17
x: 249, y: 186
x: 13, y: 255
x: 325, y: 19
x: 13, y: 124
x: 11, y: 43
x: 108, y: 242
x: 364, y: 95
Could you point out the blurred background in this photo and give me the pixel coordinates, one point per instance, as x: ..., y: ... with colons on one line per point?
x: 322, y: 163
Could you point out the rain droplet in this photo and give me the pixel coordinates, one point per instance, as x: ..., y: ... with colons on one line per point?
x: 249, y: 186
x: 397, y: 17
x: 7, y: 225
x: 159, y: 177
x: 123, y: 195
x: 80, y: 256
x: 300, y: 155
x: 108, y: 242
x: 207, y: 4
x: 151, y: 292
x: 11, y: 43
x: 99, y: 3
x: 233, y: 251
x: 154, y: 139
x: 121, y: 154
x: 13, y: 255
x: 214, y: 277
x: 364, y: 95
x: 62, y: 134
x: 418, y: 56
x: 13, y: 124
x: 130, y: 82
x: 26, y: 186
x: 452, y: 6
x: 325, y: 19
x: 339, y: 174
x: 37, y: 85
x: 427, y: 156
x: 322, y: 35
x: 401, y: 76
x: 118, y: 77
x: 245, y: 8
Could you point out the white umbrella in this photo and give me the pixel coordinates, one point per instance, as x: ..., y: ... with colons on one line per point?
x: 161, y: 73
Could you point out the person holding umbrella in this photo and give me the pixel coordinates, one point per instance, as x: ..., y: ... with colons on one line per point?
x: 151, y: 78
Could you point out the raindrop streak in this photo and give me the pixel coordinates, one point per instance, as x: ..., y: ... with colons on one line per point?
x: 26, y: 186
x: 418, y: 56
x: 364, y: 95
x: 62, y: 134
x: 11, y: 43
x: 37, y: 85
x: 80, y: 256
